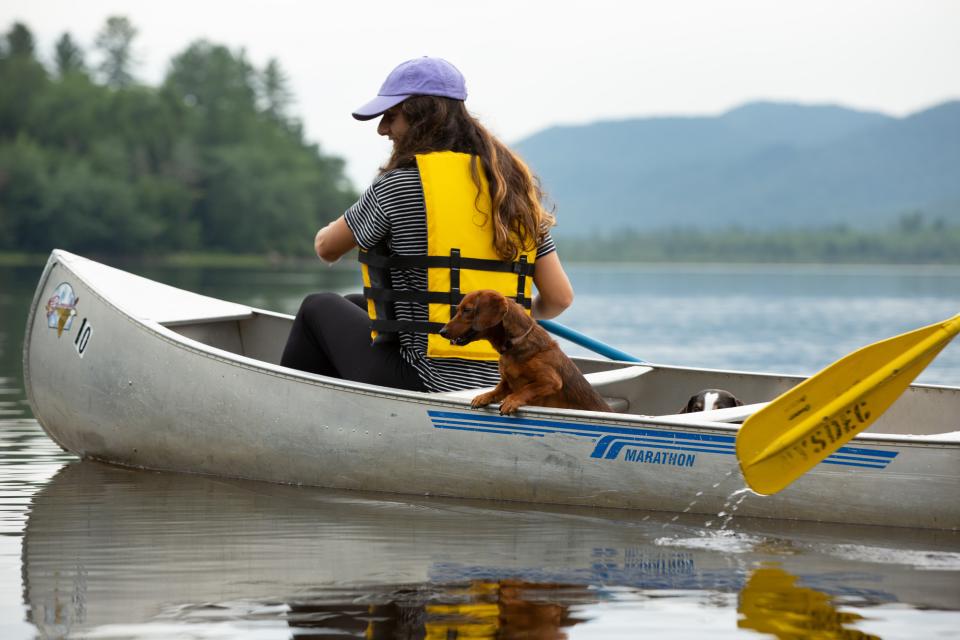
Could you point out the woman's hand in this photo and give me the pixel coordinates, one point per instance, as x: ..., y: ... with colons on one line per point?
x: 554, y: 291
x: 333, y: 241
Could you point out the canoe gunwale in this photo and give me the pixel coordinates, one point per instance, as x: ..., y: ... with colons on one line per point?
x: 224, y: 318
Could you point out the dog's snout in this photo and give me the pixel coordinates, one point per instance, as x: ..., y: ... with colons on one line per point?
x: 443, y: 332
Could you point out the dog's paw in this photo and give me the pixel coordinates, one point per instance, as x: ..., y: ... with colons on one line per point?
x: 481, y: 400
x: 509, y: 405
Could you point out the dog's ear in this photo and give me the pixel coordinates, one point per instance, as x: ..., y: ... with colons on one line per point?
x: 691, y: 406
x: 490, y: 310
x: 515, y: 320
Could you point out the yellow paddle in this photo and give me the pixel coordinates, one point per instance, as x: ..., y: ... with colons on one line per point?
x: 797, y: 430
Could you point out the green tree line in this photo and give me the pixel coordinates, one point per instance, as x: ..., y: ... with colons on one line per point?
x: 92, y: 160
x: 913, y: 239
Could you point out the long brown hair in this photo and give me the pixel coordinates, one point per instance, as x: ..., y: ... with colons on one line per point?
x: 444, y: 124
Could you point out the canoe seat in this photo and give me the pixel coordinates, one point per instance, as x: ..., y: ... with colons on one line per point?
x: 603, y: 381
x: 613, y: 385
x: 599, y: 379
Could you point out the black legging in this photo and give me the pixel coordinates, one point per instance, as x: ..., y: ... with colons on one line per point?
x: 331, y: 337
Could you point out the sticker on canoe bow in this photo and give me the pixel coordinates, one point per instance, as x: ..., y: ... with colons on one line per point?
x: 62, y: 308
x: 645, y: 445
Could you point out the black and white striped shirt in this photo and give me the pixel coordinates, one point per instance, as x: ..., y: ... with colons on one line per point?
x: 393, y: 208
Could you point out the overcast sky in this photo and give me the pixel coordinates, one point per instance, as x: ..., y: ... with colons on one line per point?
x: 532, y: 64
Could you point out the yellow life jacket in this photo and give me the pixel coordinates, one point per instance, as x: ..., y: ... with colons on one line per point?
x: 460, y: 258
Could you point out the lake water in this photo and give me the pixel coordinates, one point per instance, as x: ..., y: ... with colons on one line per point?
x: 87, y: 550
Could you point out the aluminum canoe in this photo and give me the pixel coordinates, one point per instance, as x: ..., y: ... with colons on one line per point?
x: 130, y: 371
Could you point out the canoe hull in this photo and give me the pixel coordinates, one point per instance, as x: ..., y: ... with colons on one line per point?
x: 141, y: 395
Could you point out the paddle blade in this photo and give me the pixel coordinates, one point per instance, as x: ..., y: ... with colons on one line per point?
x: 792, y: 434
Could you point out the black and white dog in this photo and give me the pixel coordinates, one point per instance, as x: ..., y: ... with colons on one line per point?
x: 710, y: 399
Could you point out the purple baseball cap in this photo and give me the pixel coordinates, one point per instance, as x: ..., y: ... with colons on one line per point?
x: 418, y: 77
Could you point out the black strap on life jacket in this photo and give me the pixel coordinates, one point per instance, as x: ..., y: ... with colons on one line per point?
x: 454, y: 279
x: 522, y: 267
x: 384, y: 296
x: 522, y: 284
x: 380, y: 281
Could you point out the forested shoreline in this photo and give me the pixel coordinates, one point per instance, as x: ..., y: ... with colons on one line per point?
x: 212, y: 168
x: 912, y: 240
x: 94, y: 161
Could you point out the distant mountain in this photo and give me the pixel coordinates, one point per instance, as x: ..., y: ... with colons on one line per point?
x: 763, y: 165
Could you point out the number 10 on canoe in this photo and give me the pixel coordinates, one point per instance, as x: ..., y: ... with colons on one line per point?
x: 797, y: 430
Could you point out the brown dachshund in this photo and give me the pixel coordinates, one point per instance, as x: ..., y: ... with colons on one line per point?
x: 533, y: 369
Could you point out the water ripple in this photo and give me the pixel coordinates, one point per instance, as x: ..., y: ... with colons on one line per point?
x: 30, y: 459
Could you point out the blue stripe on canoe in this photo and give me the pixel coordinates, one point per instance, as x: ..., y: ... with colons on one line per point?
x: 614, y: 449
x: 837, y: 456
x: 497, y: 431
x: 868, y: 452
x: 511, y: 427
x: 518, y: 429
x: 598, y: 429
x: 609, y: 446
x: 830, y: 460
x: 613, y: 438
x: 660, y: 442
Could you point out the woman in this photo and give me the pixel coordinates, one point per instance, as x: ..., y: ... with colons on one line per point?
x: 452, y: 210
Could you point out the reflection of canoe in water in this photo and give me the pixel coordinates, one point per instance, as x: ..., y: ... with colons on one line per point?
x: 104, y: 545
x: 156, y: 377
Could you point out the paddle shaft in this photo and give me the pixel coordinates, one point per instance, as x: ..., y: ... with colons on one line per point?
x: 587, y: 342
